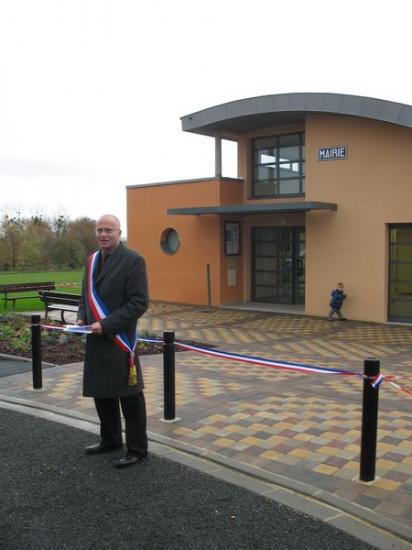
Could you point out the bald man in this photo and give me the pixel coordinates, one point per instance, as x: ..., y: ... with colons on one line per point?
x: 114, y: 296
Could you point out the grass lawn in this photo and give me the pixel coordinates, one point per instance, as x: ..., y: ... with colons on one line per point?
x: 66, y: 281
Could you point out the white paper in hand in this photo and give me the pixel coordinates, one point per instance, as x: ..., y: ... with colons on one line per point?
x: 78, y: 329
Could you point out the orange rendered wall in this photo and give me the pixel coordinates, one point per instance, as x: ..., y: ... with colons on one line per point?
x: 181, y: 277
x: 232, y: 268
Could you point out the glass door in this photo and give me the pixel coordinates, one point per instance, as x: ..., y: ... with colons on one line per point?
x: 278, y: 265
x: 400, y: 272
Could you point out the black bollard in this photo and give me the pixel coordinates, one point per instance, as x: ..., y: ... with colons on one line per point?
x: 369, y: 421
x: 36, y: 352
x: 169, y: 375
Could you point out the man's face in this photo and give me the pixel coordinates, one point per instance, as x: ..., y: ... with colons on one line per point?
x: 108, y: 233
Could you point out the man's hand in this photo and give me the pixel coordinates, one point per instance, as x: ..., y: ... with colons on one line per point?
x: 96, y: 328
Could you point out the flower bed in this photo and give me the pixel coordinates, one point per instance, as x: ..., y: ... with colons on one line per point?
x: 58, y: 348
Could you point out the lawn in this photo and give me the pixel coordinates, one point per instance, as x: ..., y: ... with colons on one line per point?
x: 66, y: 281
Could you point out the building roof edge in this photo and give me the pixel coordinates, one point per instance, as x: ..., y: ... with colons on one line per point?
x: 251, y: 113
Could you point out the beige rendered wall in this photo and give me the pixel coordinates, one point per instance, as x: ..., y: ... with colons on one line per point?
x: 372, y: 188
x: 180, y: 277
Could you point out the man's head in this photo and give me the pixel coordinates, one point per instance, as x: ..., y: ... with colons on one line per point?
x: 108, y: 232
x: 341, y: 287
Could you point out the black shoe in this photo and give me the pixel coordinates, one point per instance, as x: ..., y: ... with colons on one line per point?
x: 100, y: 448
x: 128, y: 460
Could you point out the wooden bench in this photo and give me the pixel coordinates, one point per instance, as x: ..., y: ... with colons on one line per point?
x: 60, y: 301
x: 23, y: 288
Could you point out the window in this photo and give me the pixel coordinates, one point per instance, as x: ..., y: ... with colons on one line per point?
x: 170, y: 241
x: 279, y: 166
x: 232, y: 238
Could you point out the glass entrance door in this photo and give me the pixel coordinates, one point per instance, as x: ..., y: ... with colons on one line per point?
x: 278, y: 265
x: 400, y: 272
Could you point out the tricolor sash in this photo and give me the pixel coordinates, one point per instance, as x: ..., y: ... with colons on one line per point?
x: 100, y: 312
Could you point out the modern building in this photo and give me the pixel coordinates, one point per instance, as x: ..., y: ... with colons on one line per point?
x: 324, y: 195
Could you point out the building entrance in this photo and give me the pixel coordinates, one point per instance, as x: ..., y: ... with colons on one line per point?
x: 400, y: 272
x: 278, y: 265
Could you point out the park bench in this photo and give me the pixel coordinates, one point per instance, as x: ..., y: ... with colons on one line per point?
x: 60, y: 301
x: 27, y: 288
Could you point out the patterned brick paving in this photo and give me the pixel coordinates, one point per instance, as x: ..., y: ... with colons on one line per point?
x: 303, y: 426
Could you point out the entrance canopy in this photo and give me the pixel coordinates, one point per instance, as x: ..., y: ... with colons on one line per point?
x: 242, y: 209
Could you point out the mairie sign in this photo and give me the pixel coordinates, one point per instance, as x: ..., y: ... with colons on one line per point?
x: 340, y: 152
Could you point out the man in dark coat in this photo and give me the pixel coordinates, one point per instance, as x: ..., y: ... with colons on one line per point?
x: 114, y: 296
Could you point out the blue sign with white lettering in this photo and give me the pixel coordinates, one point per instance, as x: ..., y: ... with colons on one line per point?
x: 340, y: 152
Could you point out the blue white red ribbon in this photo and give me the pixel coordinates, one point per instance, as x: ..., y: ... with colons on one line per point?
x: 402, y: 388
x: 375, y: 381
x: 391, y: 377
x: 256, y: 360
x: 298, y: 367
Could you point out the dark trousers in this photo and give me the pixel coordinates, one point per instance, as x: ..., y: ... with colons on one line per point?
x: 134, y: 412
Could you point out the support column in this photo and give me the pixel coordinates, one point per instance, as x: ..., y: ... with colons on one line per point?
x: 218, y: 157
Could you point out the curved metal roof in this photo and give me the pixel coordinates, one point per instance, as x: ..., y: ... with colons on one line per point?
x: 246, y: 115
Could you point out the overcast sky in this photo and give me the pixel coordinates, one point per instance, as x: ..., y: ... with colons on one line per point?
x: 92, y: 91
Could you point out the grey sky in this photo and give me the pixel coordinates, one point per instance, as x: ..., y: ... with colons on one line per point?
x: 92, y: 91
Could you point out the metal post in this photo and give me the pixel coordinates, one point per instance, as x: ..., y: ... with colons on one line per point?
x: 36, y: 352
x: 209, y: 290
x: 169, y: 375
x: 369, y: 421
x: 218, y: 157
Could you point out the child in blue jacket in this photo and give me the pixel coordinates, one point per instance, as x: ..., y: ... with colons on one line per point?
x: 337, y: 297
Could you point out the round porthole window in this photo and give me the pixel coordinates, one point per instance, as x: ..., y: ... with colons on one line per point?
x: 169, y: 241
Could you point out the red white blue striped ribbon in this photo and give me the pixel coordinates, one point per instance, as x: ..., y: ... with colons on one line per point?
x: 402, y: 388
x: 258, y: 360
x: 377, y: 381
x: 297, y: 367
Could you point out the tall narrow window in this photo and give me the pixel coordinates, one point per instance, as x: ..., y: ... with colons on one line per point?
x: 279, y: 166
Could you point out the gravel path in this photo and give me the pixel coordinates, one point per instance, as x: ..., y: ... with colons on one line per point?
x: 54, y: 497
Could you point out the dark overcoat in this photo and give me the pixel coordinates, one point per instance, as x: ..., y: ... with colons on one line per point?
x: 122, y: 287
